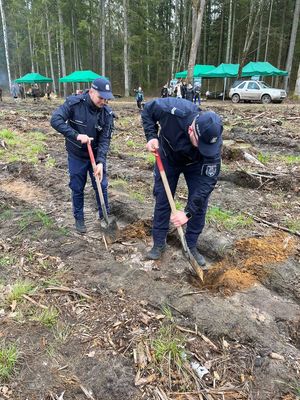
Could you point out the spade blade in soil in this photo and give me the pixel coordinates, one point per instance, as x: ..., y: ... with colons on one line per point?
x: 110, y: 227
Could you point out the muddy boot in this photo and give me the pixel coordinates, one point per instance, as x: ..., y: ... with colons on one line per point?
x: 80, y: 226
x: 198, y: 257
x: 156, y: 252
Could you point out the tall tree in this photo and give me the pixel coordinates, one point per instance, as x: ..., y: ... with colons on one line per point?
x: 228, y: 46
x: 255, y: 10
x: 198, y: 7
x: 297, y: 86
x: 126, y: 68
x: 268, y: 31
x: 290, y: 56
x: 61, y: 43
x: 3, y: 18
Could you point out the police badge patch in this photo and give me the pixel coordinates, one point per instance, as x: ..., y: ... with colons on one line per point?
x: 211, y: 170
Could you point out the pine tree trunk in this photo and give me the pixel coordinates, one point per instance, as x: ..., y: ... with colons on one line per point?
x: 229, y: 33
x: 58, y: 64
x: 30, y: 45
x: 220, y: 49
x: 290, y: 56
x: 297, y: 86
x: 18, y: 55
x: 50, y: 51
x: 232, y: 33
x: 281, y: 41
x: 195, y: 39
x: 255, y: 10
x: 62, y: 47
x: 126, y: 69
x: 5, y: 42
x: 174, y: 36
x: 259, y: 37
x: 268, y: 31
x: 102, y: 37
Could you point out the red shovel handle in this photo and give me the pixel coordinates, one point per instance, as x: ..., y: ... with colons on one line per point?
x: 158, y: 161
x: 91, y: 154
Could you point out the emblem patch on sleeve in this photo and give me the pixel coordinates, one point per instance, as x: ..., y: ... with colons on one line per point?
x: 211, y: 170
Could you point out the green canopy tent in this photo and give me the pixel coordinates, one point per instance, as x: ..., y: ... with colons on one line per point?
x: 262, y: 69
x: 223, y: 71
x: 80, y: 76
x: 33, y: 78
x: 199, y: 70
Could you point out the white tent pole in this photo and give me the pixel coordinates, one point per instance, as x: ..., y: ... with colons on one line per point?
x: 224, y: 88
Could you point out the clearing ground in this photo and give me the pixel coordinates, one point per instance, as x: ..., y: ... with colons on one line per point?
x: 85, y: 317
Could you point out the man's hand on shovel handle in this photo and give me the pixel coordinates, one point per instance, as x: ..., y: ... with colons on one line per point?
x: 98, y: 171
x: 84, y: 138
x: 179, y: 218
x: 152, y: 145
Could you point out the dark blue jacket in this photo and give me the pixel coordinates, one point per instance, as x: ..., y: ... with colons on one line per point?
x: 174, y: 116
x: 78, y: 115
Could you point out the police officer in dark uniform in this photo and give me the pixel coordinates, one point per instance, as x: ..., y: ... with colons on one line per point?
x: 86, y: 119
x: 189, y: 142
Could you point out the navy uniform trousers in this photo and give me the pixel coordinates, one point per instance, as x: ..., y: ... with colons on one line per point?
x: 78, y: 171
x: 193, y: 175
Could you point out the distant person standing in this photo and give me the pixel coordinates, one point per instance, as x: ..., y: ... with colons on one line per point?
x: 197, y: 97
x: 164, y: 91
x: 14, y: 90
x: 48, y: 91
x: 139, y: 97
x: 22, y: 92
x: 1, y: 94
x: 184, y: 90
x: 36, y: 92
x: 177, y: 90
x: 190, y: 93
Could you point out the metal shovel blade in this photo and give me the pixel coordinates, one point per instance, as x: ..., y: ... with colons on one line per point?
x: 110, y: 227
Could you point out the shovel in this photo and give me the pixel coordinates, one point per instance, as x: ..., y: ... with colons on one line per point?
x: 186, y: 250
x: 110, y: 227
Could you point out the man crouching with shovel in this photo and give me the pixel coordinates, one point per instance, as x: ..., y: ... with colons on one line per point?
x: 86, y: 121
x: 189, y: 142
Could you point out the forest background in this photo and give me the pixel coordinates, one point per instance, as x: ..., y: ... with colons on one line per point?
x: 145, y: 42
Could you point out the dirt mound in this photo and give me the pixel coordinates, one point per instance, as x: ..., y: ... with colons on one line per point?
x: 140, y: 229
x: 24, y: 191
x: 250, y: 263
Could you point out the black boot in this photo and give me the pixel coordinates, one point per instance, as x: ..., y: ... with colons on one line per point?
x: 80, y: 226
x: 198, y: 257
x: 156, y: 252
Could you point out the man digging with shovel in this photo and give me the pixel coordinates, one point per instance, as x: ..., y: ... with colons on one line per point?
x: 86, y: 120
x: 189, y: 142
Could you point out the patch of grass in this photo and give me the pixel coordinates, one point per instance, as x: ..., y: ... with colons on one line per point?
x: 150, y: 159
x: 6, y: 260
x: 8, y: 359
x: 50, y: 162
x: 22, y: 146
x: 169, y: 346
x: 6, y: 215
x: 264, y: 158
x: 130, y: 143
x: 289, y: 159
x: 293, y: 225
x: 62, y: 332
x: 18, y: 289
x: 137, y: 196
x: 227, y: 219
x: 47, y: 317
x: 178, y: 205
x: 118, y: 182
x: 39, y: 216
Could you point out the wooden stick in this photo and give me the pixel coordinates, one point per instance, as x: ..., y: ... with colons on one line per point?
x: 34, y: 302
x: 276, y: 226
x: 67, y: 289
